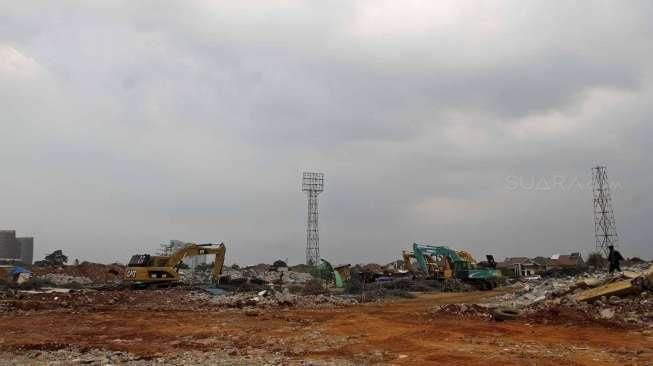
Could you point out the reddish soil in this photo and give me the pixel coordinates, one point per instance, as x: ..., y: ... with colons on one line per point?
x: 400, y: 332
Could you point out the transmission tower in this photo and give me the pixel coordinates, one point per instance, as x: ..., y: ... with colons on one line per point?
x: 313, y: 185
x: 604, y: 224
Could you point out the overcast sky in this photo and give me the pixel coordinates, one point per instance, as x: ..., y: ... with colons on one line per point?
x: 124, y: 124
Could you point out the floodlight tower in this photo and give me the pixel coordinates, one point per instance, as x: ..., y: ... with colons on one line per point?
x: 605, y: 229
x: 312, y: 184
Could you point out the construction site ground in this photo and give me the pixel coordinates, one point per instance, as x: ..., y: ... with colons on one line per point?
x: 399, y: 332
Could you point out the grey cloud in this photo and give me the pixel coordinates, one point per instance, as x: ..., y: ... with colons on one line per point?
x: 194, y: 121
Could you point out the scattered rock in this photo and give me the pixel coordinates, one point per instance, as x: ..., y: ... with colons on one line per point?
x: 502, y: 314
x: 463, y: 310
x: 252, y: 312
x: 606, y: 313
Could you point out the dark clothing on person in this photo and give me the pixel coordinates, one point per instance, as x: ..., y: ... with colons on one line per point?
x: 614, y: 266
x: 613, y: 258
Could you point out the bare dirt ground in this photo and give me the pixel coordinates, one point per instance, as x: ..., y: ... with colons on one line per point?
x: 398, y: 332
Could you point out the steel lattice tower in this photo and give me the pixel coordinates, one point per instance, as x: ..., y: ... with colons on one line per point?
x: 604, y: 224
x: 313, y: 185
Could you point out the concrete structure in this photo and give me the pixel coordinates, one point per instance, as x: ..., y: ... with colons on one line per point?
x: 523, y: 267
x: 16, y: 249
x: 9, y: 246
x: 561, y: 261
x: 7, y: 234
x: 26, y: 250
x: 520, y: 267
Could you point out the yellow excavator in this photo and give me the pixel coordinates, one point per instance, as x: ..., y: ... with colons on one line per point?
x: 145, y: 270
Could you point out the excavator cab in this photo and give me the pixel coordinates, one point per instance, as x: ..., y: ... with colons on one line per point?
x: 139, y: 260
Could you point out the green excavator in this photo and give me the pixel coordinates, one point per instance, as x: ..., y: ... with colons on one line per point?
x: 444, y: 263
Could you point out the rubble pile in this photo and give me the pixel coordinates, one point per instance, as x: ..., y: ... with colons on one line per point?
x: 618, y: 298
x: 533, y: 291
x: 456, y: 285
x: 266, y: 274
x: 91, y: 300
x: 84, y: 273
x: 189, y: 276
x: 268, y: 298
x: 633, y: 310
x: 162, y: 299
x: 623, y: 299
x: 260, y: 274
x: 62, y: 279
x: 462, y: 310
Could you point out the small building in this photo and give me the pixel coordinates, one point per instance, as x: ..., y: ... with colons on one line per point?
x: 520, y: 267
x: 16, y: 249
x: 563, y: 261
x: 543, y: 262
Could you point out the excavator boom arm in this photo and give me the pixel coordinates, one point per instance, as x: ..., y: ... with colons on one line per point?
x: 219, y: 262
x: 192, y: 250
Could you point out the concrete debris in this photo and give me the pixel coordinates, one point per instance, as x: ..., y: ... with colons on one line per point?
x: 477, y: 310
x: 589, y: 282
x: 593, y: 296
x: 61, y: 279
x: 254, y: 327
x: 161, y: 300
x: 634, y: 283
x: 528, y: 292
x: 463, y: 310
x: 619, y: 288
x: 261, y: 274
x: 606, y: 313
x: 630, y: 274
x: 23, y: 277
x: 618, y: 298
x: 269, y: 276
x: 94, y: 272
x: 281, y: 298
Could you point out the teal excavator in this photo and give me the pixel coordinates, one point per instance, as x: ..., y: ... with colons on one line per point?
x: 444, y: 263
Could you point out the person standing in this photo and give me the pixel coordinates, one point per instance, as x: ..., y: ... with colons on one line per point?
x: 614, y: 257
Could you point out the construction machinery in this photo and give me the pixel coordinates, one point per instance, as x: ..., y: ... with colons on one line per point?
x: 443, y: 263
x: 145, y: 270
x: 339, y: 274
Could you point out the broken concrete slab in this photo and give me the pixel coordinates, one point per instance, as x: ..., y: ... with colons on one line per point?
x: 630, y: 274
x: 633, y: 283
x: 619, y: 288
x: 649, y: 272
x: 588, y: 282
